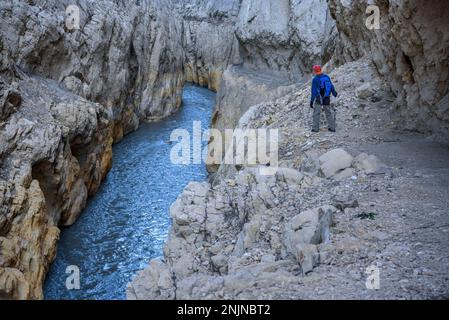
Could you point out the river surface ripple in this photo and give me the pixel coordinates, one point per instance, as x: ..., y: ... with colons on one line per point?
x: 126, y: 223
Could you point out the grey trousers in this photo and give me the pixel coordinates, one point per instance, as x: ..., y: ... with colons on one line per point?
x: 330, y: 116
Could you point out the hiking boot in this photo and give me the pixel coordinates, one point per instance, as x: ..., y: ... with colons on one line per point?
x: 332, y: 130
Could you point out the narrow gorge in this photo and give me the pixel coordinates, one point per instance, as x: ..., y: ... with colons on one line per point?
x: 85, y: 176
x: 126, y: 223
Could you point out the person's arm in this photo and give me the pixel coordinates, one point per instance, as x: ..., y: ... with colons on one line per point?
x: 314, y: 92
x: 334, y: 92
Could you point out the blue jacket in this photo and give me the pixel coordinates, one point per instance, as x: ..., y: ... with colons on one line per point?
x: 316, y: 87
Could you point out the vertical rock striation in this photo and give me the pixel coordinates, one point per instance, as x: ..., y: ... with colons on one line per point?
x: 410, y: 50
x: 65, y: 97
x: 284, y: 37
x: 208, y: 39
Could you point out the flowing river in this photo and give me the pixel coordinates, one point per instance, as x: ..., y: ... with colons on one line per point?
x: 125, y: 225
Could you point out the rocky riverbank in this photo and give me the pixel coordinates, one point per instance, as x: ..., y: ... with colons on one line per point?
x: 338, y: 204
x: 335, y: 208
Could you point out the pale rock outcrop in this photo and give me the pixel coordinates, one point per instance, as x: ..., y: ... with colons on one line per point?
x: 208, y: 39
x: 284, y: 37
x: 310, y: 227
x: 305, y: 232
x: 156, y: 282
x: 334, y: 162
x: 249, y: 229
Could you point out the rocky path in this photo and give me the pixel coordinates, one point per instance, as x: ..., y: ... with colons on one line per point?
x: 408, y: 233
x: 369, y: 196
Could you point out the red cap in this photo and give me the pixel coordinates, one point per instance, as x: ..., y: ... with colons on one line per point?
x: 317, y: 69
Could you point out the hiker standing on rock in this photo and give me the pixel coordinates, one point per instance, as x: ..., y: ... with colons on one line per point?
x: 322, y: 88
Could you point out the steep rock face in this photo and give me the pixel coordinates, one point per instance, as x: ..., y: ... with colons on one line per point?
x: 55, y: 149
x: 241, y: 88
x: 127, y: 57
x: 55, y: 143
x: 208, y: 39
x: 410, y: 51
x: 284, y: 37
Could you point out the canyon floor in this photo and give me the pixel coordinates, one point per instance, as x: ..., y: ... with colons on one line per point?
x: 311, y: 231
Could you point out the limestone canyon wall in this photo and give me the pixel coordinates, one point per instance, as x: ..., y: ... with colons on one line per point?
x: 276, y: 36
x: 278, y: 42
x: 284, y: 37
x: 123, y: 56
x: 65, y: 96
x: 410, y: 51
x: 208, y: 39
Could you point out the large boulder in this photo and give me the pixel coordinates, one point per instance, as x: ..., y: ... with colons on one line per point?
x: 154, y: 283
x: 304, y: 232
x: 334, y: 161
x: 311, y: 227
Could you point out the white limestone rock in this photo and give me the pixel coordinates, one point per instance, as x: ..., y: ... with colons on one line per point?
x: 369, y: 164
x: 334, y: 161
